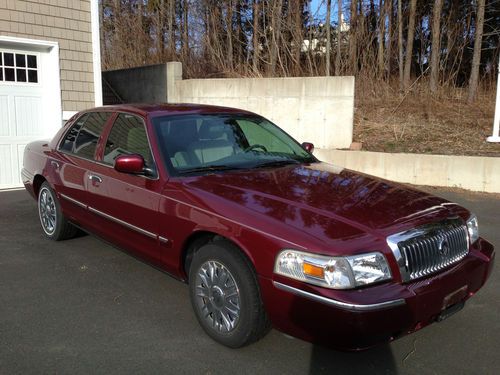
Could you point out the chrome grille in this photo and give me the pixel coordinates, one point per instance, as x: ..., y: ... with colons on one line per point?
x: 426, y: 250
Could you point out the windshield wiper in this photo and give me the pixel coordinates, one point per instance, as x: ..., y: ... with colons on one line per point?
x: 277, y: 163
x: 208, y: 168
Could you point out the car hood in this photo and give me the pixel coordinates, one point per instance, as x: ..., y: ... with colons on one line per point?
x: 323, y: 200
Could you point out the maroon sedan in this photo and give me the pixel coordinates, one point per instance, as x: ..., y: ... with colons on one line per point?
x: 262, y: 231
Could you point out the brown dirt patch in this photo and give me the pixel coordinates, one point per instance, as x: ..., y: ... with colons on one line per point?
x: 388, y: 121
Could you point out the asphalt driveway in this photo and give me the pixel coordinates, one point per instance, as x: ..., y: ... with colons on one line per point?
x: 82, y: 306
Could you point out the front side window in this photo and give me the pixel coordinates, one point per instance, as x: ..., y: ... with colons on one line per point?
x: 83, y: 136
x: 128, y: 136
x: 198, y: 143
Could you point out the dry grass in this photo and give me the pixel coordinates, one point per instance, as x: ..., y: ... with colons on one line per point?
x: 388, y: 121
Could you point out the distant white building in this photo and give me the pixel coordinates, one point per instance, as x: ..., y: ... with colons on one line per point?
x: 317, y: 43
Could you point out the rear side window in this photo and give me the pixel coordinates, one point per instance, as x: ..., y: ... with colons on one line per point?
x: 128, y: 136
x: 86, y: 142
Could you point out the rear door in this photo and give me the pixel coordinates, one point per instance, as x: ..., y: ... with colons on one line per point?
x: 125, y: 206
x: 77, y: 153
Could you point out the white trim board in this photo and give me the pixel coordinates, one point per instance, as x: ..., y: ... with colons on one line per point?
x: 96, y: 51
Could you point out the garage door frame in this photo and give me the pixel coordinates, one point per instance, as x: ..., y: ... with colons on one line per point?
x: 49, y: 75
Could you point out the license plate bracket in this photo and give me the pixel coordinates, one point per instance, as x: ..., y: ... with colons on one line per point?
x: 454, y: 297
x: 445, y: 314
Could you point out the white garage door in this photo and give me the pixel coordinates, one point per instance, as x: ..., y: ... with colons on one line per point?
x: 21, y: 110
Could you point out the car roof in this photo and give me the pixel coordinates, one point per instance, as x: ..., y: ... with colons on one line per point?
x: 163, y: 109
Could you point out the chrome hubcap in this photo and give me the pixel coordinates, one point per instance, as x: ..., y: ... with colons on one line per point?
x: 218, y: 296
x: 47, y: 211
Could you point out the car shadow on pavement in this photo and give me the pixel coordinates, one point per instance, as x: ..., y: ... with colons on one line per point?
x: 378, y: 360
x: 315, y: 318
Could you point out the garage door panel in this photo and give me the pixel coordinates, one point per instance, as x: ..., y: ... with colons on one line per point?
x: 5, y: 165
x: 28, y: 115
x: 4, y: 115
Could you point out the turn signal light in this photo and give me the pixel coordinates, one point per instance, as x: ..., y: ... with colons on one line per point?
x: 314, y: 271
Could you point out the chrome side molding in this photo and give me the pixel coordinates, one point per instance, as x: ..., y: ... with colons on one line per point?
x: 116, y: 220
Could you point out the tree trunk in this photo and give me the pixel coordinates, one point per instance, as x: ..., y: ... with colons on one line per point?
x: 339, y: 38
x: 185, y: 28
x: 328, y: 37
x: 476, y: 59
x: 400, y: 44
x: 170, y: 25
x: 297, y: 35
x: 381, y: 39
x: 229, y: 31
x: 255, y: 37
x: 239, y: 35
x: 436, y: 44
x: 388, y: 49
x: 409, y: 44
x: 353, y: 58
x: 276, y: 10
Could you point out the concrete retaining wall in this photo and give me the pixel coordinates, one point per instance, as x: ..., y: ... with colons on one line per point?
x: 145, y: 84
x: 467, y: 172
x: 313, y: 109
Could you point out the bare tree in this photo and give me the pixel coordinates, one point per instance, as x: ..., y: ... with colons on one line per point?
x: 381, y: 39
x: 353, y: 58
x: 328, y: 36
x: 400, y: 45
x: 476, y: 59
x: 276, y: 13
x: 170, y: 25
x: 409, y: 44
x: 436, y: 44
x: 388, y: 50
x: 229, y: 33
x: 255, y: 36
x: 339, y: 38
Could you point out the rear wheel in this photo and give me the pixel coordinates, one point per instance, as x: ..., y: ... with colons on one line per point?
x: 54, y: 224
x: 225, y: 295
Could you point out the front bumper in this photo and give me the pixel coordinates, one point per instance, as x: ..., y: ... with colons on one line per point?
x: 361, y: 318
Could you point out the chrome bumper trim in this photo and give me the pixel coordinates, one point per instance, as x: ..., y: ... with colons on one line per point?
x: 339, y: 304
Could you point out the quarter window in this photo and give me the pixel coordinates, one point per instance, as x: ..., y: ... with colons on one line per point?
x: 69, y: 139
x: 128, y: 136
x: 83, y: 136
x: 18, y: 67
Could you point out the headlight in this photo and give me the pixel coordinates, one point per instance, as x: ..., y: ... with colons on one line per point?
x: 473, y: 228
x: 333, y: 272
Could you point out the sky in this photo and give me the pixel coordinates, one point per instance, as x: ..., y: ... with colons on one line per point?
x: 318, y: 9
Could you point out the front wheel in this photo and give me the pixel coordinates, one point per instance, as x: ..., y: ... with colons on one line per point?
x: 53, y: 222
x: 225, y: 295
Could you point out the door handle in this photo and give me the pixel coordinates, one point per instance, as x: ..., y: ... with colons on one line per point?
x: 95, y: 178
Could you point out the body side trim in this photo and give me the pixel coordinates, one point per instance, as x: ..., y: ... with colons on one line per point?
x: 78, y: 203
x: 124, y: 223
x: 116, y: 220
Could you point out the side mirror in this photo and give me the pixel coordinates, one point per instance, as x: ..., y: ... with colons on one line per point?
x: 133, y: 164
x: 309, y: 147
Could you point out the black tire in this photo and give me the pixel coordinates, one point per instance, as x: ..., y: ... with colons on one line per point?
x: 251, y: 323
x: 55, y: 226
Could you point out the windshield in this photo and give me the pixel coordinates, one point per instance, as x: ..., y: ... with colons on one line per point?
x: 206, y: 143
